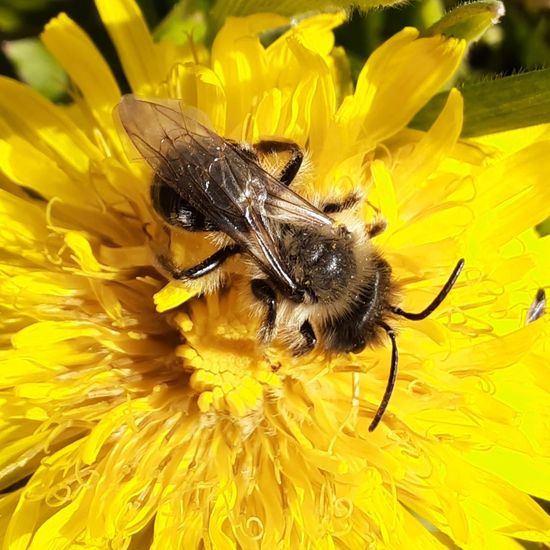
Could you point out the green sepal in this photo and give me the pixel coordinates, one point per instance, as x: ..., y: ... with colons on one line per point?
x: 468, y: 21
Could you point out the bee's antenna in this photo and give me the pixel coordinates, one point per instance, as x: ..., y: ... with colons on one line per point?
x: 437, y: 300
x: 391, y: 379
x: 394, y: 353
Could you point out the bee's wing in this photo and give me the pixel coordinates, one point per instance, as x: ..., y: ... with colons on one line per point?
x: 158, y: 130
x: 217, y: 179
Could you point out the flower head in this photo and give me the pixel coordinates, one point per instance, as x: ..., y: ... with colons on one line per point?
x: 144, y: 416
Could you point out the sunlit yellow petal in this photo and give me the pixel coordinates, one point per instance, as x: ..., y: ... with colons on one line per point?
x: 45, y: 126
x: 522, y: 206
x: 245, y: 63
x: 85, y: 66
x: 133, y: 42
x: 171, y: 296
x: 412, y: 173
x: 405, y: 71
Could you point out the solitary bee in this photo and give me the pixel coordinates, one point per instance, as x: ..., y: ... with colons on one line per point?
x: 313, y: 268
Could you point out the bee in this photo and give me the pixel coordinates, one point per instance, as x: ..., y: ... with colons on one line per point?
x: 312, y: 268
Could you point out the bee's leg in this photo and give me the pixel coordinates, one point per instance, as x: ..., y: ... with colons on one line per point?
x: 204, y: 268
x: 269, y: 147
x: 348, y: 202
x: 306, y: 330
x: 265, y: 294
x: 377, y: 226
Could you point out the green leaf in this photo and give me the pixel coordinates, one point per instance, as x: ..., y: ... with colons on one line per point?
x: 223, y: 9
x: 468, y: 21
x: 496, y: 105
x: 34, y: 65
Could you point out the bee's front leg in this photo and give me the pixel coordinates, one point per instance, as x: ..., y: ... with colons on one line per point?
x: 265, y: 294
x: 306, y: 330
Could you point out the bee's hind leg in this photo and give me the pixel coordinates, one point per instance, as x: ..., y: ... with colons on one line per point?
x: 200, y: 270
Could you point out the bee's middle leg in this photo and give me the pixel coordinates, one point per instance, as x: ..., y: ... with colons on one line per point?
x: 204, y: 268
x: 291, y: 168
x: 345, y: 204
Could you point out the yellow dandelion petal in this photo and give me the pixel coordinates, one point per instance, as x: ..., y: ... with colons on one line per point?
x: 141, y: 413
x: 431, y: 150
x: 313, y: 101
x: 62, y: 526
x: 513, y: 140
x: 134, y: 44
x: 201, y: 87
x: 405, y: 71
x: 7, y: 506
x: 171, y: 296
x: 14, y: 157
x: 523, y: 203
x: 246, y: 63
x: 26, y: 223
x: 56, y: 137
x: 88, y: 70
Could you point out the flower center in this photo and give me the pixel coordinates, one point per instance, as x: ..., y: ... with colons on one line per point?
x: 229, y: 373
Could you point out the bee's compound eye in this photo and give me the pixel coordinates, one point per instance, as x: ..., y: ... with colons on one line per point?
x: 358, y: 347
x: 349, y: 336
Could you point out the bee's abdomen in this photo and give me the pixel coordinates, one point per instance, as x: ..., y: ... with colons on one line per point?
x: 175, y: 210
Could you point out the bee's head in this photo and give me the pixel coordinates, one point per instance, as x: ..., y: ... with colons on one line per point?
x: 366, y: 320
x: 367, y: 308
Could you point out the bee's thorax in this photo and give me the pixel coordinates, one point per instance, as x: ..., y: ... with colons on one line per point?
x: 321, y: 263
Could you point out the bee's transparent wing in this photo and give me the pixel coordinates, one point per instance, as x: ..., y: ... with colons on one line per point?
x: 154, y: 128
x: 216, y: 178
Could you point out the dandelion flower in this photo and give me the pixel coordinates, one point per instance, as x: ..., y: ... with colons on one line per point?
x: 135, y: 414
